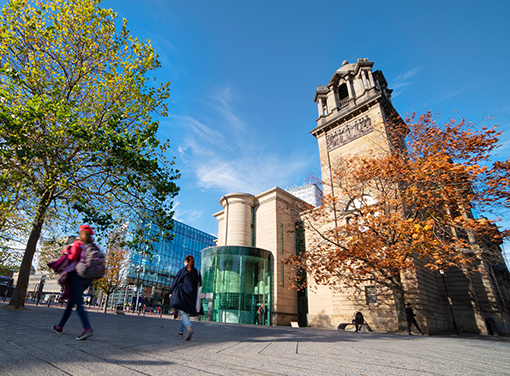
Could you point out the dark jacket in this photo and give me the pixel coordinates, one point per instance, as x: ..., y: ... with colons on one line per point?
x: 409, y: 314
x: 184, y: 290
x: 359, y: 318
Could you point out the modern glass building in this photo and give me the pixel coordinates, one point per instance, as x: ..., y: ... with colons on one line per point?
x: 238, y: 280
x: 155, y: 275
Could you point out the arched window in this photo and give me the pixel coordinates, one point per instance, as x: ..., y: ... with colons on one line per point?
x: 359, y: 202
x: 354, y: 206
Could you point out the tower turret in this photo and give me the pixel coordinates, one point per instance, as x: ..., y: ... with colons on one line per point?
x: 354, y: 112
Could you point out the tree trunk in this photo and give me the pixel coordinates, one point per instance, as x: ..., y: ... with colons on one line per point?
x: 18, y: 296
x: 398, y: 295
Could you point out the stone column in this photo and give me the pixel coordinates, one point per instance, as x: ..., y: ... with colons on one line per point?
x: 319, y: 106
x: 371, y: 79
x: 324, y: 105
x: 348, y: 82
x: 332, y: 100
x: 237, y: 208
x: 364, y: 78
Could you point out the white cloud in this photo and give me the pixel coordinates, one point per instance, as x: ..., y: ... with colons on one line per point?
x: 247, y: 173
x: 227, y: 154
x: 450, y: 95
x: 407, y: 75
x: 403, y: 80
x: 186, y: 216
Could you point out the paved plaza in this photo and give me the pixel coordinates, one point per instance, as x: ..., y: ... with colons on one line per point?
x: 136, y: 345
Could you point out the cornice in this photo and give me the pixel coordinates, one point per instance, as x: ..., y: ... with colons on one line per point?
x: 358, y: 109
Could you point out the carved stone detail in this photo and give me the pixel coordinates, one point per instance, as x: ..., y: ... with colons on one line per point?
x: 348, y: 133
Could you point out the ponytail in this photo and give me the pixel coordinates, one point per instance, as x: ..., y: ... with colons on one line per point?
x: 191, y: 262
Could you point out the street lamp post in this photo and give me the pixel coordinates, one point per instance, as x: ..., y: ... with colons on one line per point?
x: 126, y: 289
x: 449, y: 303
x: 138, y: 270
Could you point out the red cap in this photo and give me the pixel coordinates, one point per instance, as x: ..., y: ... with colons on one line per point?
x: 87, y: 228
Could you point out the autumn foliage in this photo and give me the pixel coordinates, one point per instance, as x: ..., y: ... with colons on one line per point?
x: 115, y: 263
x: 412, y: 206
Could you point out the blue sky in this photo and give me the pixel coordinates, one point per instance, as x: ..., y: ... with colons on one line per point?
x: 244, y: 75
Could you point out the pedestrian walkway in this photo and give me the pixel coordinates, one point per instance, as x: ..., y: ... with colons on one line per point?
x: 137, y: 345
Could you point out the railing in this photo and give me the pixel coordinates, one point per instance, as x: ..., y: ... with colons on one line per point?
x: 344, y: 102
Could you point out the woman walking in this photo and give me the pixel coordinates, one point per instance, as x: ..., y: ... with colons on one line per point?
x: 183, y: 295
x: 75, y: 285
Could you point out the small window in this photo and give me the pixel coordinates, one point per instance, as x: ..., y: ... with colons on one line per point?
x: 371, y: 295
x: 282, y: 274
x: 343, y: 92
x: 252, y: 227
x: 281, y: 238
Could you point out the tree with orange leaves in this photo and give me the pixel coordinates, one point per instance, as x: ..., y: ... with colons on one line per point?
x: 115, y: 264
x: 411, y: 207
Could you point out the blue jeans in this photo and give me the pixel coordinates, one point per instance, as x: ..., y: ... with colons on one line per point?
x: 185, y: 321
x: 78, y: 286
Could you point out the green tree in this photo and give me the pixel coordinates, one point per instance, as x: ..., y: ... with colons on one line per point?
x: 77, y: 127
x: 9, y: 261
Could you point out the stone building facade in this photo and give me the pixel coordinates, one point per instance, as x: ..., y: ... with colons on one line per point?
x: 266, y: 221
x: 355, y: 117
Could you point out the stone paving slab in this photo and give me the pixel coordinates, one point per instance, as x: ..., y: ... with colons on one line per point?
x: 137, y: 345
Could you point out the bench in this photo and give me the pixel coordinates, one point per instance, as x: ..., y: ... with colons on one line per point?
x: 343, y: 325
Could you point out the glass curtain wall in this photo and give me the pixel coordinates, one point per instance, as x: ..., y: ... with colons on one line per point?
x: 239, y: 280
x: 155, y: 275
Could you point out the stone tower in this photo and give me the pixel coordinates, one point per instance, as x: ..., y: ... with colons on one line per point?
x: 356, y: 118
x: 354, y: 110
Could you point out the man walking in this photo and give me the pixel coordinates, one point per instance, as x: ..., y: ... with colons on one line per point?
x: 410, y: 317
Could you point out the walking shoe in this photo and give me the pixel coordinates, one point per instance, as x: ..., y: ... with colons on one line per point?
x: 189, y: 332
x: 422, y: 333
x: 410, y: 334
x: 86, y: 334
x: 57, y: 329
x: 180, y: 334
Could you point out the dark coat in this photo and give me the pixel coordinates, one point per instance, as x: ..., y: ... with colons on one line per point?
x: 409, y: 314
x: 359, y: 319
x: 184, y: 290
